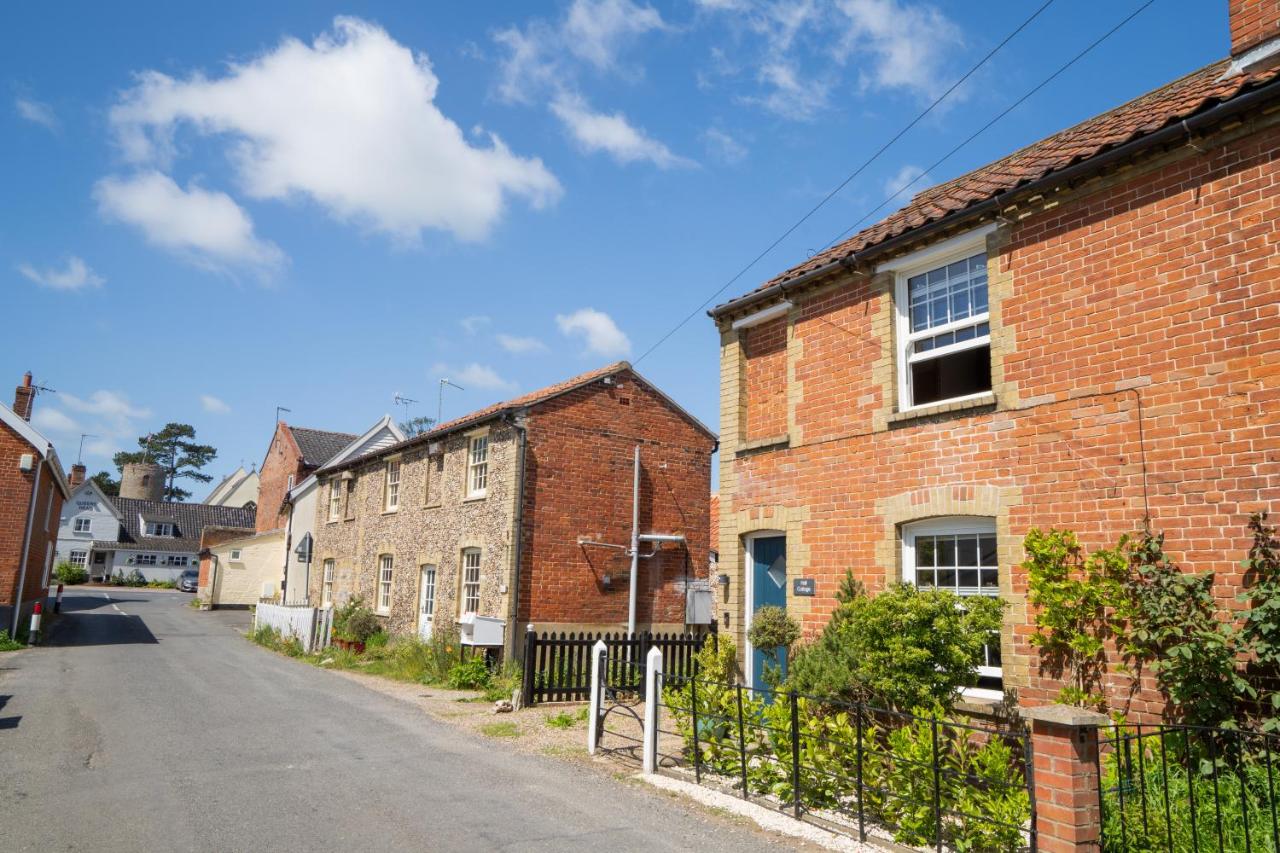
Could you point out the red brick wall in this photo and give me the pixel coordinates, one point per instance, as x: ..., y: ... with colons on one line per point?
x: 1169, y: 284
x: 283, y: 459
x: 15, y: 498
x: 765, y: 382
x: 1253, y: 22
x: 578, y: 483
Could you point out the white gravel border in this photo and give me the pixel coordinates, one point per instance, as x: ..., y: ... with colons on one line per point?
x: 764, y: 818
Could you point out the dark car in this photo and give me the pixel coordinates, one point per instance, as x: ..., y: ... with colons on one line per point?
x: 189, y: 580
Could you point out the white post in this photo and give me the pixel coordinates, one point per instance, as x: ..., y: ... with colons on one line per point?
x: 652, y: 687
x: 598, y: 651
x: 635, y: 545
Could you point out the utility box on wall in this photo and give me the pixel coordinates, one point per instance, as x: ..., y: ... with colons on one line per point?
x: 698, y: 606
x: 477, y: 630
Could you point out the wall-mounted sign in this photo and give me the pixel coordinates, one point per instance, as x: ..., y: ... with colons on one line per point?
x: 803, y: 586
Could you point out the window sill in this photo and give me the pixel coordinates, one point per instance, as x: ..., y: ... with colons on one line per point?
x: 391, y: 511
x: 435, y: 505
x: 760, y: 445
x: 473, y: 498
x: 966, y: 404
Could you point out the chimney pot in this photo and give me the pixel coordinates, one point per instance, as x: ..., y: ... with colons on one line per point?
x: 23, y: 397
x: 78, y: 472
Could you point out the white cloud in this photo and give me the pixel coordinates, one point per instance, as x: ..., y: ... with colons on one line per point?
x: 36, y: 112
x: 518, y: 345
x: 475, y: 377
x: 204, y: 226
x: 54, y: 421
x: 349, y: 121
x: 612, y: 134
x: 594, y: 29
x: 601, y: 334
x: 213, y: 405
x: 905, y: 179
x: 475, y: 323
x: 788, y: 94
x: 76, y: 275
x: 723, y: 147
x: 111, y: 421
x: 908, y: 43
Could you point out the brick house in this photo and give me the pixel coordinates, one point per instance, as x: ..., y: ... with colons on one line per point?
x: 495, y: 513
x: 1083, y: 334
x: 32, y: 490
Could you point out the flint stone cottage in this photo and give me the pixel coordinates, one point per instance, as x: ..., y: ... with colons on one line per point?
x: 1083, y: 334
x: 501, y: 513
x: 32, y: 489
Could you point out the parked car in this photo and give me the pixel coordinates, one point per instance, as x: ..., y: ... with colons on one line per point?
x: 189, y: 580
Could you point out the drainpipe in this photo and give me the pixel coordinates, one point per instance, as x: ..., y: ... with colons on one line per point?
x: 517, y: 647
x: 288, y: 549
x: 26, y: 547
x: 635, y: 543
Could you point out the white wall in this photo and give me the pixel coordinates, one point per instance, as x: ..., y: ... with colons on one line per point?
x: 302, y: 521
x: 103, y: 523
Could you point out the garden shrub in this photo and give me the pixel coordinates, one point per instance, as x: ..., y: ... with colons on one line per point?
x: 9, y: 645
x: 773, y: 632
x: 354, y: 622
x: 470, y: 674
x: 68, y: 574
x: 903, y: 648
x: 377, y: 640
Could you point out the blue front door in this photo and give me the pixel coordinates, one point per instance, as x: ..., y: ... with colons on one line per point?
x: 768, y: 587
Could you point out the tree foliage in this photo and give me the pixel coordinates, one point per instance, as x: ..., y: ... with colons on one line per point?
x: 108, y: 484
x: 905, y: 648
x: 416, y: 426
x: 174, y: 449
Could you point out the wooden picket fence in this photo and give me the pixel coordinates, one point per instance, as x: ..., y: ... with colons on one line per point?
x: 557, y: 667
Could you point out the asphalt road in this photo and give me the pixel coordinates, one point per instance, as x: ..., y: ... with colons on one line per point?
x: 147, y: 726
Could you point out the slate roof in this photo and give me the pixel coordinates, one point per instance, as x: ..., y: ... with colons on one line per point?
x: 1174, y: 102
x: 189, y: 519
x: 318, y: 446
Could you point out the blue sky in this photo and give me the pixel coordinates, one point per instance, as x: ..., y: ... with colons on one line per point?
x: 214, y: 209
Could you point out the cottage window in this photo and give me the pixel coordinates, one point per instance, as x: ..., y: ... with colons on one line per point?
x: 478, y: 467
x: 958, y: 555
x: 392, y: 490
x: 235, y: 555
x: 943, y: 321
x: 79, y: 558
x: 351, y: 499
x: 146, y: 559
x: 84, y: 525
x: 384, y: 583
x: 335, y: 500
x: 159, y: 528
x: 326, y: 589
x: 428, y: 593
x: 470, y: 580
x: 175, y: 560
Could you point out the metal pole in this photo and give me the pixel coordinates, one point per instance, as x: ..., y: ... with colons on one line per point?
x: 635, y: 543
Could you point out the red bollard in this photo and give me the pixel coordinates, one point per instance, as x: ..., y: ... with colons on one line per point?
x: 57, y: 602
x: 33, y: 634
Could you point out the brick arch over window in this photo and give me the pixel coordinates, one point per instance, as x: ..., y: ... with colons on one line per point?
x: 974, y: 501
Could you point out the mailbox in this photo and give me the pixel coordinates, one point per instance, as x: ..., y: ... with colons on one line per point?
x: 475, y: 630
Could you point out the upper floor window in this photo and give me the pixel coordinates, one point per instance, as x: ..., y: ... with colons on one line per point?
x: 235, y: 555
x: 335, y: 499
x: 385, y: 564
x: 392, y: 491
x: 958, y: 555
x: 159, y: 528
x: 944, y: 322
x: 470, y: 580
x: 84, y: 525
x: 478, y: 467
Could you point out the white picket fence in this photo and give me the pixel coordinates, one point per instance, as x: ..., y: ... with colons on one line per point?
x: 311, y: 625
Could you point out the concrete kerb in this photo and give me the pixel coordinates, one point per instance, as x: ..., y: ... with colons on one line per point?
x: 766, y: 818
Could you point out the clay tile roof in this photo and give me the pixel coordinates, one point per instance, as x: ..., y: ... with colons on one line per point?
x: 1174, y: 102
x: 318, y: 446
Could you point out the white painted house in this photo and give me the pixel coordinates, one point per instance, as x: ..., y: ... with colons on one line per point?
x: 239, y: 488
x: 113, y: 535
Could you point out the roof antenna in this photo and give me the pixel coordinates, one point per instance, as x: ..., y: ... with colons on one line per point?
x: 401, y: 400
x: 440, y: 402
x: 80, y: 455
x: 280, y: 409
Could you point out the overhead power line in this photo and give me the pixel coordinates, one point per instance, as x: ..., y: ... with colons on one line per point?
x: 894, y: 139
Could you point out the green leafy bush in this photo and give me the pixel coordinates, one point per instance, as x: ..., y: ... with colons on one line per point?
x: 69, y: 574
x: 773, y: 632
x: 903, y: 648
x: 562, y: 720
x: 503, y: 681
x: 8, y: 645
x: 471, y: 674
x: 354, y: 622
x: 377, y: 640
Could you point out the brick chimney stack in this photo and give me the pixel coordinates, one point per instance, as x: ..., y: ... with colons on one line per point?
x: 78, y: 472
x: 23, y: 397
x: 1252, y: 23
